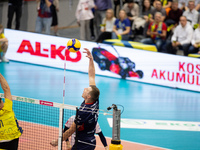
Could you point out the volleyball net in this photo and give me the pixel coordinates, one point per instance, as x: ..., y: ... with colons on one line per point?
x: 40, y: 121
x: 44, y: 121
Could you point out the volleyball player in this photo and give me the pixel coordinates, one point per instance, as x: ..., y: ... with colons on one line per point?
x: 9, y: 128
x: 97, y: 131
x: 87, y: 114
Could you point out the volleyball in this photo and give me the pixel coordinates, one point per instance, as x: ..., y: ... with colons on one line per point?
x: 73, y: 45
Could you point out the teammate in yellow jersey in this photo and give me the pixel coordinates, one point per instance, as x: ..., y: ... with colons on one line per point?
x: 3, y: 45
x: 9, y: 128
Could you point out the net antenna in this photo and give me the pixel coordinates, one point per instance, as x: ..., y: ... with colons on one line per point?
x: 61, y: 111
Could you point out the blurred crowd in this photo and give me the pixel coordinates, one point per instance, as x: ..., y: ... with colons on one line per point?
x: 170, y: 25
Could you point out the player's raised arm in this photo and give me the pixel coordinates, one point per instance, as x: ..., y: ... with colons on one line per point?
x: 5, y: 87
x: 91, y: 70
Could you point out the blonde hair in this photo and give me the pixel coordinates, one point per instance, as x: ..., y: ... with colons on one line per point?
x: 105, y: 19
x: 111, y: 12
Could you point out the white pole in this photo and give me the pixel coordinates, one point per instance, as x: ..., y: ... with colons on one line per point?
x: 61, y: 112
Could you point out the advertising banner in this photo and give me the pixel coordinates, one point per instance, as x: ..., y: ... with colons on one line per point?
x: 113, y: 61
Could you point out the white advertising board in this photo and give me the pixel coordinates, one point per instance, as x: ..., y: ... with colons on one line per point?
x: 114, y: 61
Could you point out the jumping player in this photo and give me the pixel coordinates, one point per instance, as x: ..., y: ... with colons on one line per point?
x: 87, y: 114
x: 9, y: 128
x: 97, y: 131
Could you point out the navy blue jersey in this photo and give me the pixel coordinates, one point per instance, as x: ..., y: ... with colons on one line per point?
x: 87, y: 118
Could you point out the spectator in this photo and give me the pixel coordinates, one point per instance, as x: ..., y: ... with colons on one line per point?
x: 107, y: 26
x: 3, y: 45
x: 146, y: 15
x: 147, y: 10
x: 181, y: 38
x: 166, y: 5
x: 195, y: 47
x: 54, y: 9
x: 131, y: 9
x: 83, y: 16
x: 157, y: 31
x: 174, y: 15
x: 191, y: 14
x: 121, y: 29
x: 44, y: 18
x: 159, y: 8
x: 100, y: 12
x: 14, y: 6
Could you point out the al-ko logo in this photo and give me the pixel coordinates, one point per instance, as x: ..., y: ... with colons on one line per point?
x: 26, y: 46
x: 187, y: 73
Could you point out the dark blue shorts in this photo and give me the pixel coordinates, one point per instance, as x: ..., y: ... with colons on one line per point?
x: 84, y: 146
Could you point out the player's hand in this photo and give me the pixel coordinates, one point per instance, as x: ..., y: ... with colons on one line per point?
x: 106, y: 148
x: 69, y: 147
x: 54, y: 143
x: 89, y: 55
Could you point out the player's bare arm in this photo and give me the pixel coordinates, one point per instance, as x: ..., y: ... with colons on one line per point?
x: 66, y: 134
x: 91, y: 70
x: 69, y: 132
x: 5, y: 87
x: 4, y: 40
